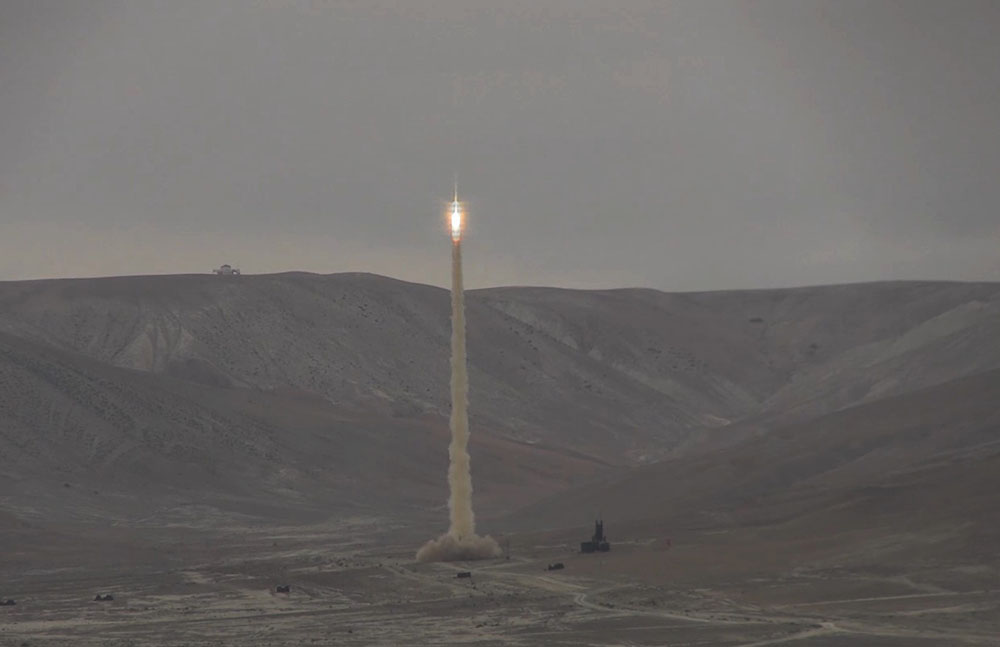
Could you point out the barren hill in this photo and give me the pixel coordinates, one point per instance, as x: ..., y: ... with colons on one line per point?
x: 306, y: 391
x: 903, y: 481
x: 825, y: 458
x: 85, y: 440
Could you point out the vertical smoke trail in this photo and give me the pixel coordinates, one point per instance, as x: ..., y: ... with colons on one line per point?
x: 463, y: 523
x: 461, y: 541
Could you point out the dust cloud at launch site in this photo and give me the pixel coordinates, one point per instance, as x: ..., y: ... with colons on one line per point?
x: 461, y: 541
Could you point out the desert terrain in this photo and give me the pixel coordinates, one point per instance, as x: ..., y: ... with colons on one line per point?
x: 813, y: 466
x: 352, y: 582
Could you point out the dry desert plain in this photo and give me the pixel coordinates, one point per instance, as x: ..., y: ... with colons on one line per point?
x: 355, y: 582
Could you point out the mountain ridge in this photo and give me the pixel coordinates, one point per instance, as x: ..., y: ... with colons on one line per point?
x: 569, y: 381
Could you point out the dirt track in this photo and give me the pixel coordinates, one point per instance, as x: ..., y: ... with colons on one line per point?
x: 345, y: 594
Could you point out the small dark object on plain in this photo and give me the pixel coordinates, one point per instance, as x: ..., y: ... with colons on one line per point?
x: 287, y: 588
x: 107, y: 597
x: 462, y: 574
x: 598, y: 543
x: 7, y: 603
x: 558, y: 566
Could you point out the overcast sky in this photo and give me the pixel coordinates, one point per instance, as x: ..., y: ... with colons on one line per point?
x: 678, y: 145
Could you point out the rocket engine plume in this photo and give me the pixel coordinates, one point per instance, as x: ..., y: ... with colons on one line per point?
x: 456, y: 223
x: 461, y: 541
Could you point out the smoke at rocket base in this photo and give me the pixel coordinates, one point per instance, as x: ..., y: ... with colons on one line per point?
x: 461, y: 541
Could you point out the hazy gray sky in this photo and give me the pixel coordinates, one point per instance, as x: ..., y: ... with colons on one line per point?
x: 678, y: 145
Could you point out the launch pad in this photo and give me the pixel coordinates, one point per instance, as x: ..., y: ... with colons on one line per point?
x: 598, y: 542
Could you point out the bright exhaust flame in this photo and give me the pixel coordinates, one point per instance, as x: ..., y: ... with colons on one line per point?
x: 456, y: 220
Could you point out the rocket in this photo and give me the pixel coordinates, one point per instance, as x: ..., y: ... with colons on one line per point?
x: 456, y: 210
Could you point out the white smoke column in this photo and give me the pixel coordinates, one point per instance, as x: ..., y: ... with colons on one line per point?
x: 463, y: 522
x: 461, y: 541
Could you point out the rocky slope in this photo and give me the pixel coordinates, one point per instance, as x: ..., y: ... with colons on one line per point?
x: 903, y: 481
x: 318, y: 391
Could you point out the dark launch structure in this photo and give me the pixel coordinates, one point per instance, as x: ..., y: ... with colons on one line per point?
x: 598, y: 543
